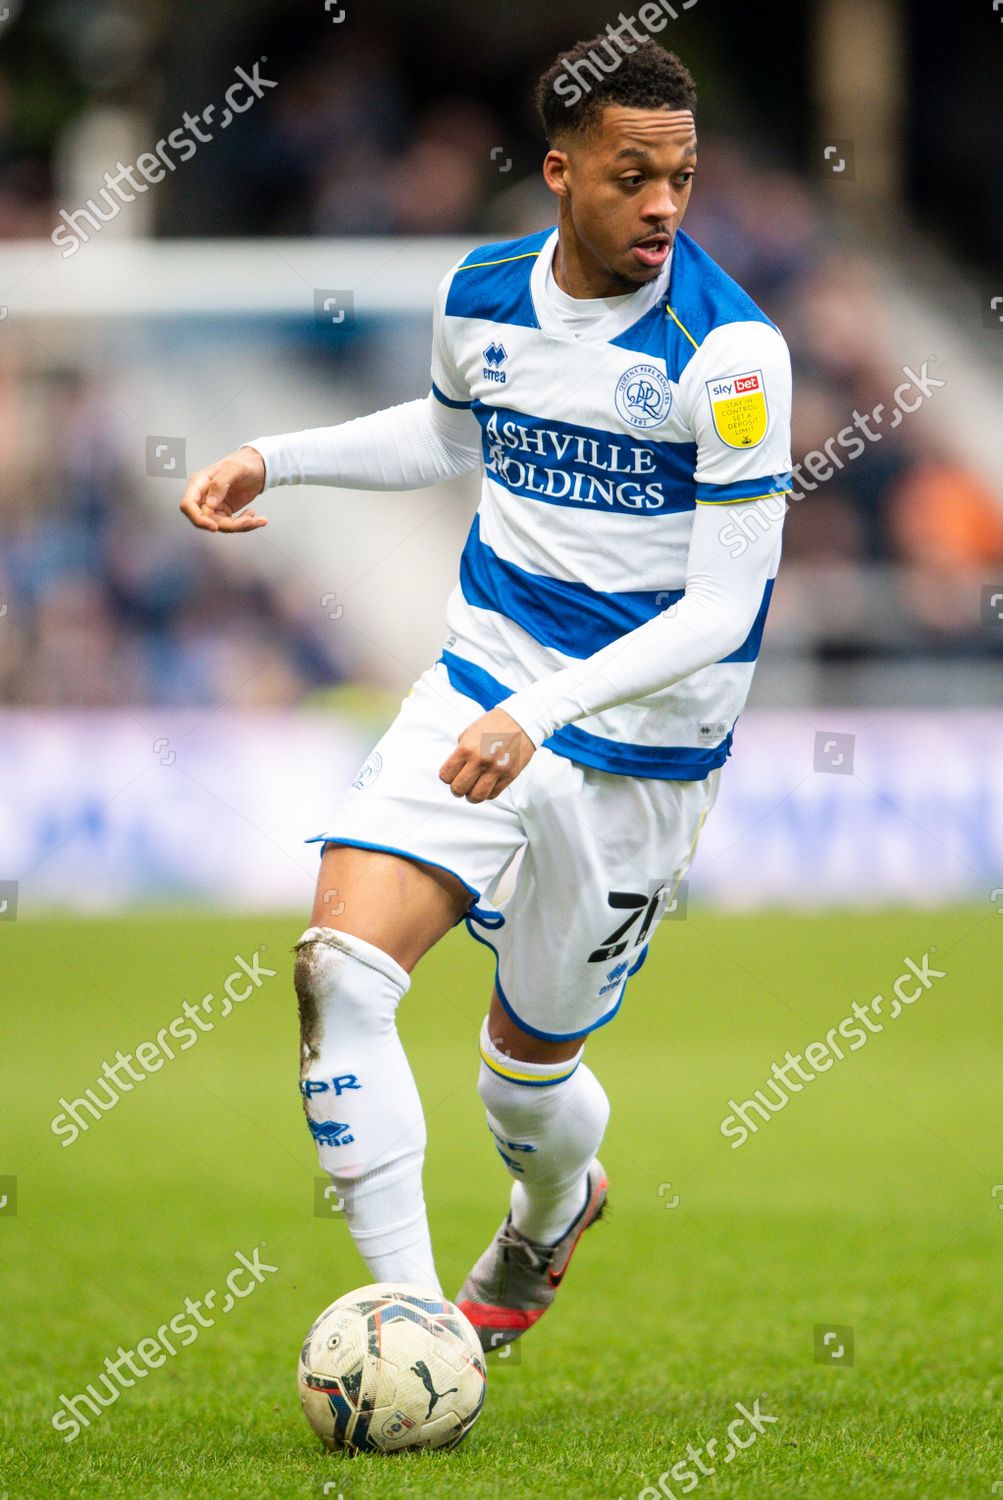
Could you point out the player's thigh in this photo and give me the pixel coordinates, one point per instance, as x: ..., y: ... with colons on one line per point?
x: 604, y: 859
x: 403, y: 858
x: 399, y: 905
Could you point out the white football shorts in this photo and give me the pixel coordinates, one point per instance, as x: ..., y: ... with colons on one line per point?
x: 569, y: 868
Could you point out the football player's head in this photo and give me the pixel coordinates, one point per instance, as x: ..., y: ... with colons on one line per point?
x: 618, y: 115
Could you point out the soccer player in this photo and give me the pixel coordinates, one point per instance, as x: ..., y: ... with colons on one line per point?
x: 547, y: 778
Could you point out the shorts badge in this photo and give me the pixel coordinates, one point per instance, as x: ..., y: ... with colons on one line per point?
x: 368, y: 773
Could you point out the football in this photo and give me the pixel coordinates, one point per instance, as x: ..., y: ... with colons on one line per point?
x: 389, y: 1367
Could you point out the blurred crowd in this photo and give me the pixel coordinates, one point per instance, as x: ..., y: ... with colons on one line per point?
x: 892, y: 550
x: 99, y: 606
x: 104, y: 603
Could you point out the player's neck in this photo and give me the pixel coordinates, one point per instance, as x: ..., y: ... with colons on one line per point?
x: 578, y: 274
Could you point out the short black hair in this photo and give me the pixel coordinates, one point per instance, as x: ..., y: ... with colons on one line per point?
x: 573, y: 92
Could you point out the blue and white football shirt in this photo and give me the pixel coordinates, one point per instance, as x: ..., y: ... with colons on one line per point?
x: 597, y: 450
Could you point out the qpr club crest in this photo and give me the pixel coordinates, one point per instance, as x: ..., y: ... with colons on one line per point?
x: 367, y: 775
x: 643, y: 396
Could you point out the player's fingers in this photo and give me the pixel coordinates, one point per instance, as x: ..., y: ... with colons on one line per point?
x: 192, y: 502
x: 484, y: 787
x: 201, y: 520
x: 451, y: 765
x: 216, y: 493
x: 465, y: 777
x: 246, y: 521
x: 463, y: 782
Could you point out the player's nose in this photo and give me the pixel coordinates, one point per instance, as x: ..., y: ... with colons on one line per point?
x: 661, y: 209
x: 660, y: 217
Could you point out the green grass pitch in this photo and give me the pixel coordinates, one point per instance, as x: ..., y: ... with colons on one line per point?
x: 868, y: 1201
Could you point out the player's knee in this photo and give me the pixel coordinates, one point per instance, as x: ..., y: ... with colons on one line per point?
x: 345, y: 988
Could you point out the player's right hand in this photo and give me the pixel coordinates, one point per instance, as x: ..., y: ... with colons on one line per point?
x: 215, y: 495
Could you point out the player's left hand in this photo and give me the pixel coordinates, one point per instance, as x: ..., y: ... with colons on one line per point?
x: 489, y: 755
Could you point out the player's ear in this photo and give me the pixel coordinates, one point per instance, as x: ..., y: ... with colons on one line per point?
x: 555, y: 169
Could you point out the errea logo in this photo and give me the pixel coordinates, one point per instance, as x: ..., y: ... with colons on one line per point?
x: 330, y: 1132
x: 495, y: 356
x: 614, y: 978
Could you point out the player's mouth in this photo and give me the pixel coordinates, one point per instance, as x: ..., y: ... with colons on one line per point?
x: 653, y: 251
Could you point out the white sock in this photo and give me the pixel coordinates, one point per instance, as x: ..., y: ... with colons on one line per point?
x: 361, y: 1101
x: 548, y: 1120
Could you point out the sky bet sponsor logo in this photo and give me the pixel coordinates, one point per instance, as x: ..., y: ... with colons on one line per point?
x: 571, y: 467
x: 742, y: 385
x: 738, y: 407
x: 495, y: 356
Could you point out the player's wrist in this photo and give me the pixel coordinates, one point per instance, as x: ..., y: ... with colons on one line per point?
x: 251, y: 454
x: 278, y: 460
x: 531, y: 717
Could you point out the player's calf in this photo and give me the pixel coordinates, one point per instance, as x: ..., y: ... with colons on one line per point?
x: 360, y: 1099
x: 547, y: 1120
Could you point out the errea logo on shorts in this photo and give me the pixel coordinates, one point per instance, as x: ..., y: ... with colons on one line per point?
x: 643, y: 396
x: 614, y: 978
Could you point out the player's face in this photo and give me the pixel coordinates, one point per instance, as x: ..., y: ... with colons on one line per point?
x: 625, y: 190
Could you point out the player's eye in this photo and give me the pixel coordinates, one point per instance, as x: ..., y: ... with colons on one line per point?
x: 634, y: 180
